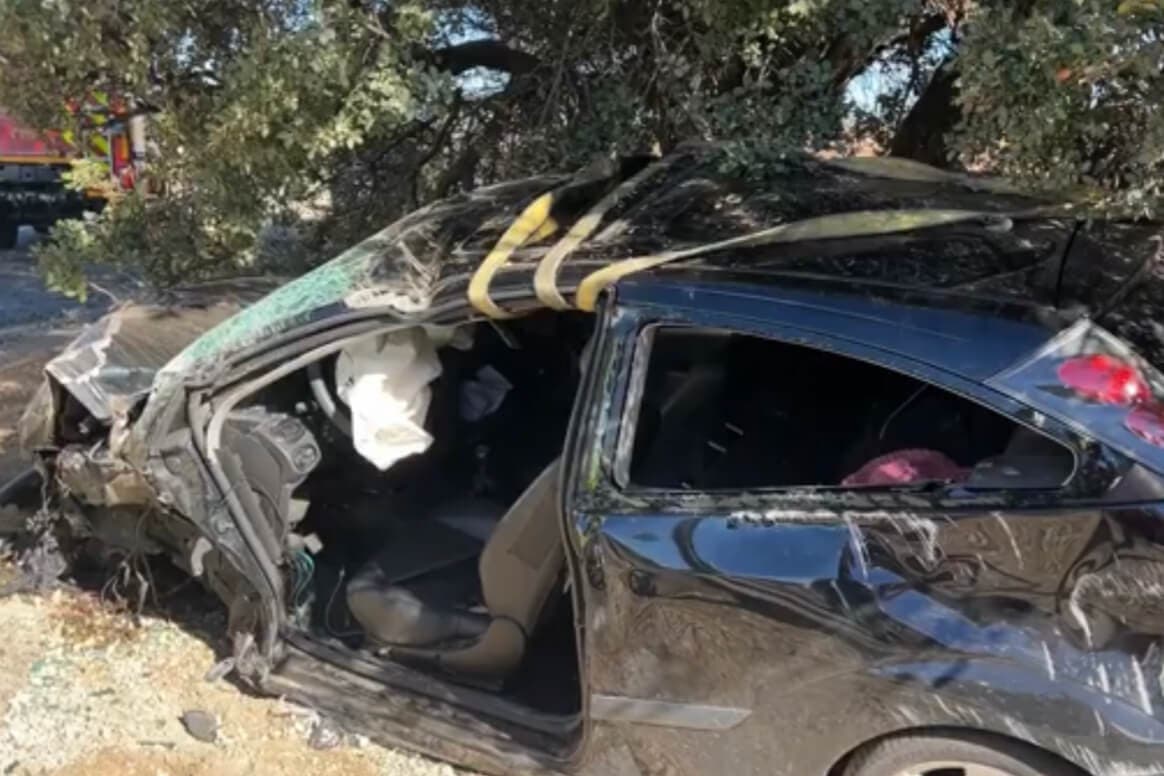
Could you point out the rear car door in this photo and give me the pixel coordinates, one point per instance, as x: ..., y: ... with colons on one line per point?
x: 743, y: 623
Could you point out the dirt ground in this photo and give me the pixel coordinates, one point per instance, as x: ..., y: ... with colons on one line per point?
x: 88, y: 690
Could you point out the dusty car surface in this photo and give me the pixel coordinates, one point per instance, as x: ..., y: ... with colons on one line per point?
x: 848, y: 467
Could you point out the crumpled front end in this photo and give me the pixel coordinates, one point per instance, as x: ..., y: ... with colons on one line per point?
x: 77, y: 423
x: 99, y: 500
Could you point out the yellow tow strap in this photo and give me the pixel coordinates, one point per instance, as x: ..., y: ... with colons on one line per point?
x: 534, y: 222
x: 859, y: 223
x: 546, y: 277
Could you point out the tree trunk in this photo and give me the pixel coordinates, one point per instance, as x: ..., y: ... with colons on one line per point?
x: 923, y: 133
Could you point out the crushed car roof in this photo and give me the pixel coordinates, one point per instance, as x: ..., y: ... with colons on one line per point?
x: 863, y: 223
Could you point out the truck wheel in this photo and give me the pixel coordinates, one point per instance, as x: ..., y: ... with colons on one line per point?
x: 9, y: 232
x: 970, y: 754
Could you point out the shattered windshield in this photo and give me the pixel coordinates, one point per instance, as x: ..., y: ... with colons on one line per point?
x: 396, y: 268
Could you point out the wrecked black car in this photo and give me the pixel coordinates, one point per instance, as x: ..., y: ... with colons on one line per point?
x: 845, y: 467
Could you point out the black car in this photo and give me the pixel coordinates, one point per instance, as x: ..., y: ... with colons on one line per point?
x: 835, y: 467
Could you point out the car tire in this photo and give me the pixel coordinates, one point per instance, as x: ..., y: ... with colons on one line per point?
x: 9, y: 234
x: 971, y: 754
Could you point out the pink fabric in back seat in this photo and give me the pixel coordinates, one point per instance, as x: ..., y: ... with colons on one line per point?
x: 902, y: 467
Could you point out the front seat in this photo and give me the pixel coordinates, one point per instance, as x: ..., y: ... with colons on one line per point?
x: 432, y: 617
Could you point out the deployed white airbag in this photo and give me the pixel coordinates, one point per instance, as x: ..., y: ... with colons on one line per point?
x: 385, y: 381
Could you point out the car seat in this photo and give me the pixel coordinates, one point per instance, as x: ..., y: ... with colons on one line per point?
x: 430, y: 613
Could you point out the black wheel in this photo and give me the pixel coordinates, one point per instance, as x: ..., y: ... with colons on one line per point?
x: 9, y: 232
x: 964, y: 755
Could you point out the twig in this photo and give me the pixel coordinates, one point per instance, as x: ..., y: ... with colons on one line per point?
x: 437, y: 144
x: 102, y: 290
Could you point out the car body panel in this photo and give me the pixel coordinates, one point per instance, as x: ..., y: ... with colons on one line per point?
x: 818, y: 654
x: 783, y: 629
x: 969, y: 343
x: 769, y: 631
x: 1013, y: 265
x: 417, y: 720
x: 115, y: 361
x: 398, y: 270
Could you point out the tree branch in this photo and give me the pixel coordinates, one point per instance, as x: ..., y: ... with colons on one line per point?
x: 848, y: 62
x: 437, y: 146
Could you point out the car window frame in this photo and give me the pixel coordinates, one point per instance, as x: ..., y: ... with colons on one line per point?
x: 651, y: 319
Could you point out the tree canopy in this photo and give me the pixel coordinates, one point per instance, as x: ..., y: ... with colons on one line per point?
x: 282, y: 129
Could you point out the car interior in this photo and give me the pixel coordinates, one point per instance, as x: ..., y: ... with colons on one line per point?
x: 449, y: 560
x: 726, y: 411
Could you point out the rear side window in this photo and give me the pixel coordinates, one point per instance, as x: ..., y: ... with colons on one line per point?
x: 725, y: 411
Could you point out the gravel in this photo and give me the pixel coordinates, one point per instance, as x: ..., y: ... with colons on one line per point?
x: 87, y: 690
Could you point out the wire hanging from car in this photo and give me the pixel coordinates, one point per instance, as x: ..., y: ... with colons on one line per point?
x: 908, y: 401
x: 304, y: 566
x: 327, y: 610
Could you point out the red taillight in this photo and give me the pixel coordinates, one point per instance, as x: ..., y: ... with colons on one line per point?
x: 1147, y: 422
x: 1104, y: 379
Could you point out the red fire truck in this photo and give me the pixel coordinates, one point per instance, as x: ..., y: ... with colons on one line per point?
x: 32, y: 190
